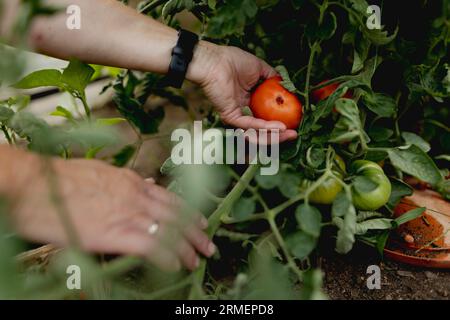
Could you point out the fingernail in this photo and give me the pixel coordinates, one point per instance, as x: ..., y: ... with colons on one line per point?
x: 212, y: 248
x: 204, y: 222
x: 150, y: 180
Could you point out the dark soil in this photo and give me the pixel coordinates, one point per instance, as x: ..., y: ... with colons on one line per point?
x: 346, y: 278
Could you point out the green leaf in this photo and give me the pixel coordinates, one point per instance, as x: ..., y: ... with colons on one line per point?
x: 379, y: 37
x: 5, y: 114
x: 408, y: 216
x: 243, y: 208
x: 231, y: 18
x: 349, y: 127
x: 42, y: 78
x: 92, y: 152
x: 444, y: 189
x: 399, y: 190
x: 268, y: 277
x: 290, y: 184
x: 381, y: 104
x: 309, y: 219
x: 63, y: 112
x: 109, y: 121
x: 365, y: 215
x: 324, y: 108
x: 77, y: 76
x: 360, y: 54
x: 370, y: 67
x: 343, y: 207
x: 168, y: 167
x: 53, y: 140
x: 381, y: 241
x: 301, y: 244
x: 417, y: 163
x: 20, y: 102
x: 268, y: 182
x: 130, y: 102
x: 212, y: 4
x: 174, y: 6
x: 124, y: 156
x: 312, y: 286
x: 315, y: 156
x: 324, y: 31
x: 412, y: 138
x: 373, y: 224
x: 360, y: 6
x: 379, y: 134
x: 287, y: 82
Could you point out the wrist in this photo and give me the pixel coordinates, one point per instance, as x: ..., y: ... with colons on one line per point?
x: 206, y: 57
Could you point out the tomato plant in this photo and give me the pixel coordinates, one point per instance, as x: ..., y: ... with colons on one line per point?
x: 271, y: 101
x: 399, y: 79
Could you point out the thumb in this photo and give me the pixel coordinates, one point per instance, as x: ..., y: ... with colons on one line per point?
x: 267, y: 71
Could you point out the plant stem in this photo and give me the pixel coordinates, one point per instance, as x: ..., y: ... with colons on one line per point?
x: 282, y: 244
x: 6, y: 133
x: 308, y: 74
x: 214, y: 224
x: 253, y: 217
x: 150, y: 6
x: 86, y: 107
x: 277, y: 210
x: 59, y: 203
x: 231, y: 198
x: 121, y: 265
x: 334, y: 80
x: 160, y: 293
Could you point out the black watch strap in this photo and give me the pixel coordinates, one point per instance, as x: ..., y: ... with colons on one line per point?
x: 181, y: 57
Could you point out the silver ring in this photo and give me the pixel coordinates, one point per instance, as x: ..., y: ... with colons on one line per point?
x: 153, y: 228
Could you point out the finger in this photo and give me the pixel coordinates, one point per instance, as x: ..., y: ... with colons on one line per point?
x: 170, y: 239
x: 187, y: 254
x: 270, y: 137
x: 150, y: 180
x: 181, y: 215
x: 175, y: 205
x: 199, y: 240
x: 135, y: 242
x: 173, y: 239
x: 267, y: 71
x: 288, y: 135
x: 249, y: 122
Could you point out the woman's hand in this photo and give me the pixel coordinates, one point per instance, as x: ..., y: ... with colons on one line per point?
x: 227, y: 75
x: 111, y: 210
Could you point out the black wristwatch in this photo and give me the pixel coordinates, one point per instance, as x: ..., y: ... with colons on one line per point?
x: 181, y: 57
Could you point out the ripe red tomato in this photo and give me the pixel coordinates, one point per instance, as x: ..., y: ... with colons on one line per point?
x: 325, y: 92
x: 272, y: 102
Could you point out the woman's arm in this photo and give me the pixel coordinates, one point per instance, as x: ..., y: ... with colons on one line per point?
x: 115, y: 35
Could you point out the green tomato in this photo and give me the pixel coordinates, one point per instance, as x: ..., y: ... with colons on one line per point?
x: 328, y: 190
x: 379, y: 195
